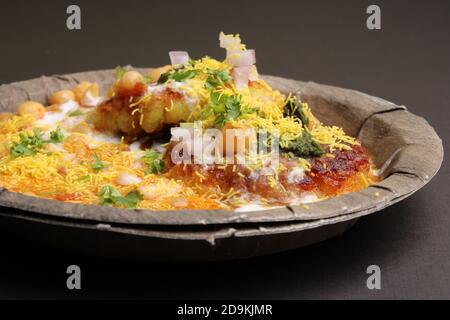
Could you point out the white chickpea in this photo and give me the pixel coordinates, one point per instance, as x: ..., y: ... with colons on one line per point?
x: 31, y: 107
x: 80, y: 89
x: 130, y: 79
x: 62, y: 96
x: 94, y: 90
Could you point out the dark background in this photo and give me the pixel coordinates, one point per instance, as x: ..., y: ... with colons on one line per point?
x: 407, y: 62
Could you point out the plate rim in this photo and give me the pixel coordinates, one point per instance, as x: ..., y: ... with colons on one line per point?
x: 325, y: 209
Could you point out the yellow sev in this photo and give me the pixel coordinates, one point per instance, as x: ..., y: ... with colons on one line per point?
x: 267, y: 102
x: 68, y: 176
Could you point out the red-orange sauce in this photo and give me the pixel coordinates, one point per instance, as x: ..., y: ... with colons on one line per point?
x: 347, y: 171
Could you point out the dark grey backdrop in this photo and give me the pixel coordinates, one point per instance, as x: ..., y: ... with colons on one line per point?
x: 406, y: 62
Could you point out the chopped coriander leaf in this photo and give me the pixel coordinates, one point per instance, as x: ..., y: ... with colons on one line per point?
x: 130, y: 200
x: 153, y: 161
x: 294, y: 109
x: 76, y: 113
x: 223, y: 76
x: 217, y: 102
x: 183, y: 75
x: 19, y: 150
x: 84, y: 178
x: 110, y: 196
x: 28, y: 145
x: 35, y: 139
x: 206, y: 112
x: 220, y: 120
x: 225, y: 108
x: 304, y: 146
x: 233, y: 107
x: 179, y: 75
x: 217, y: 78
x: 211, y: 83
x: 97, y: 164
x: 163, y: 78
x: 247, y: 110
x: 56, y: 136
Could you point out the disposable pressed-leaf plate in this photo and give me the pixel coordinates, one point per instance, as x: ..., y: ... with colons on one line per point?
x: 172, y: 243
x: 403, y: 146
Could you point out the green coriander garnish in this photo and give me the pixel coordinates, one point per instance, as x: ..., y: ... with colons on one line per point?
x: 154, y: 161
x: 110, y: 196
x: 28, y: 145
x: 97, y: 164
x: 56, y: 136
x: 76, y: 113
